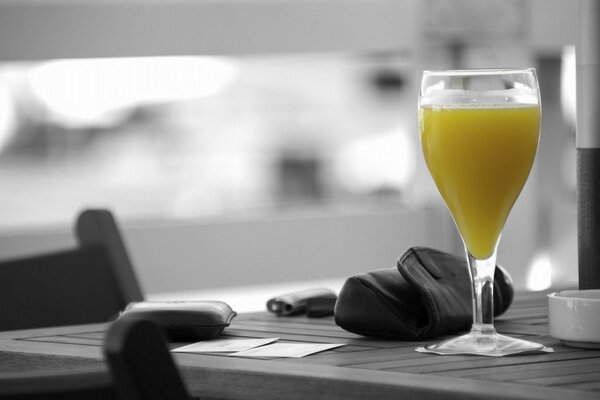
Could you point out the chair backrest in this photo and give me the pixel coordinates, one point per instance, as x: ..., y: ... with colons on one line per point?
x: 88, y: 284
x: 141, y: 364
x: 65, y: 385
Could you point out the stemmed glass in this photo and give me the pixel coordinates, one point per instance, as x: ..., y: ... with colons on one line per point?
x: 479, y: 133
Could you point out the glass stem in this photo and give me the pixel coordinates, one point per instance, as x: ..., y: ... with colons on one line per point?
x: 482, y: 286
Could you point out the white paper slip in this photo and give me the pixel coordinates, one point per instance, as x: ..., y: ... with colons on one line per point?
x: 491, y: 353
x: 295, y: 350
x: 223, y: 345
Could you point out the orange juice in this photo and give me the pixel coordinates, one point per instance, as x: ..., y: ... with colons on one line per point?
x: 479, y: 158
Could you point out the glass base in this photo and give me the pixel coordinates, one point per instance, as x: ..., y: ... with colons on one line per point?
x: 485, y: 342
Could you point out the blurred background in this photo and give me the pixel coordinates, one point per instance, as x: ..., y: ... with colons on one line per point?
x: 244, y: 143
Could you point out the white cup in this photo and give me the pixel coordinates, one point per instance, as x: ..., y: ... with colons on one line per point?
x: 574, y: 317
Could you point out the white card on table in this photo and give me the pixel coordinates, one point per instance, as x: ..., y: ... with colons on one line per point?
x: 295, y: 350
x: 223, y: 345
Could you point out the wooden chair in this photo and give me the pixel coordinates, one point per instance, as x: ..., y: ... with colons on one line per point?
x: 87, y: 284
x: 88, y: 385
x: 141, y: 363
x: 139, y: 367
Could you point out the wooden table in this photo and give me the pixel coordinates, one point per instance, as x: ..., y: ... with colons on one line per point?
x: 364, y: 368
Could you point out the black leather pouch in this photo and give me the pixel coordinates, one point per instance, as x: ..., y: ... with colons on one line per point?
x: 427, y: 295
x: 185, y: 320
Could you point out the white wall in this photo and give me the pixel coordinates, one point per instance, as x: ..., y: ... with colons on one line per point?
x: 203, y: 255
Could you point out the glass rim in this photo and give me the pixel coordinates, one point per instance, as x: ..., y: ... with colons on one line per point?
x: 478, y: 71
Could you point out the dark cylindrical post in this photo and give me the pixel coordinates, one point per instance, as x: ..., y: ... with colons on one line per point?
x: 588, y: 142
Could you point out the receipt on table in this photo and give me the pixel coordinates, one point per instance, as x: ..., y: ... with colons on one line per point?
x: 295, y: 350
x: 223, y: 345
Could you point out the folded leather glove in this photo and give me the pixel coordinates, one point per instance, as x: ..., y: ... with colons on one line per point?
x: 427, y: 295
